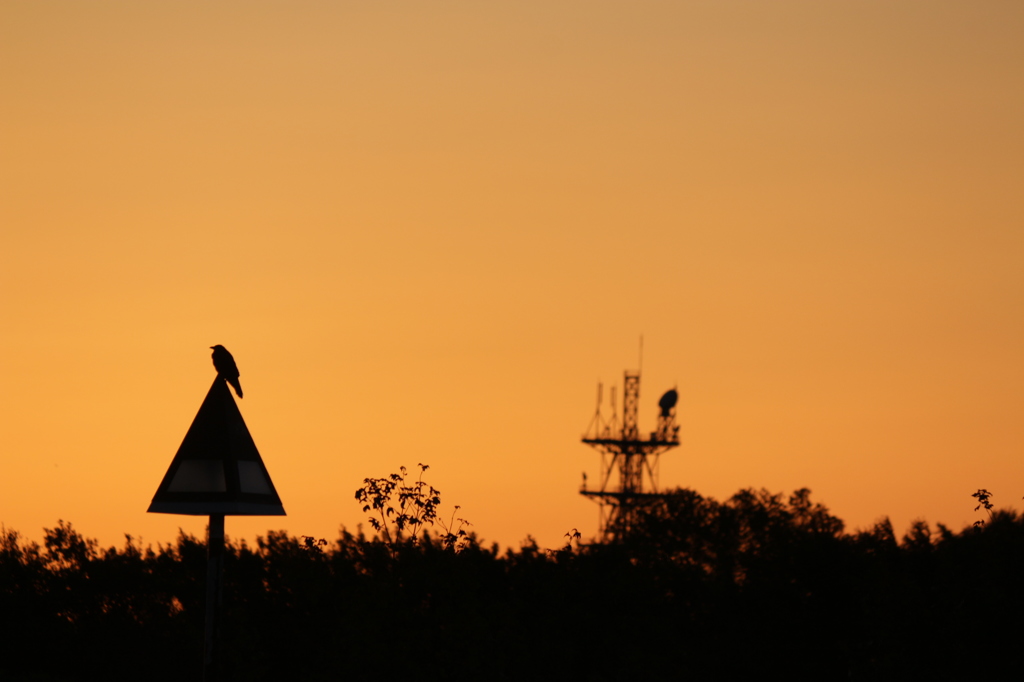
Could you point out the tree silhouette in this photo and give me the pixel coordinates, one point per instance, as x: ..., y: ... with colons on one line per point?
x: 752, y: 586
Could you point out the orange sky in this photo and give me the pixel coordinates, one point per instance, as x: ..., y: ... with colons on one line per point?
x: 426, y: 230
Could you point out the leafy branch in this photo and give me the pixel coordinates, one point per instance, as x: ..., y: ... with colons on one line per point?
x: 455, y: 538
x: 983, y: 496
x: 400, y: 508
x: 313, y: 545
x: 572, y: 536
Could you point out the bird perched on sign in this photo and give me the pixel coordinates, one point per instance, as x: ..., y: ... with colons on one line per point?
x: 226, y: 367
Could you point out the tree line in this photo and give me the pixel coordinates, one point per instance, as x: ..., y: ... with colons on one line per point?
x: 758, y: 584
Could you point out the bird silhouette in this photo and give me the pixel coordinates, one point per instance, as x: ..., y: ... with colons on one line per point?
x: 226, y: 367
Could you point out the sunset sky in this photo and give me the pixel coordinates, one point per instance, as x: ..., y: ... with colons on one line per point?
x: 426, y: 230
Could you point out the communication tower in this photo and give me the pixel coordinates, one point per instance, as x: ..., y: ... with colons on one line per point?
x: 629, y: 463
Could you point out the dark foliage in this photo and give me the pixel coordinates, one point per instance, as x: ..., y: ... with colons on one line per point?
x: 758, y: 585
x: 401, y: 509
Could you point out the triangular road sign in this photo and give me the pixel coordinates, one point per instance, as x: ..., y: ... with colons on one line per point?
x: 218, y: 469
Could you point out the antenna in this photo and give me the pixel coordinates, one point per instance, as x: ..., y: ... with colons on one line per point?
x: 597, y: 423
x: 640, y: 364
x: 629, y: 462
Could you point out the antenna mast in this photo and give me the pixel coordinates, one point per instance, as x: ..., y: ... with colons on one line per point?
x: 629, y: 463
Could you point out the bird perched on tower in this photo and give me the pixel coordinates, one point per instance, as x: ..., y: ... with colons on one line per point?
x: 226, y: 367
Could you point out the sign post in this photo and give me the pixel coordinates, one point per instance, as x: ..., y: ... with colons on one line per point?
x: 214, y: 596
x: 216, y: 472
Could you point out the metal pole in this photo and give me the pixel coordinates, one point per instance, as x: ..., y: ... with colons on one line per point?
x: 214, y: 573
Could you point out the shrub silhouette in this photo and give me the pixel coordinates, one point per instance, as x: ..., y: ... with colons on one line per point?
x: 401, y: 510
x: 754, y: 585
